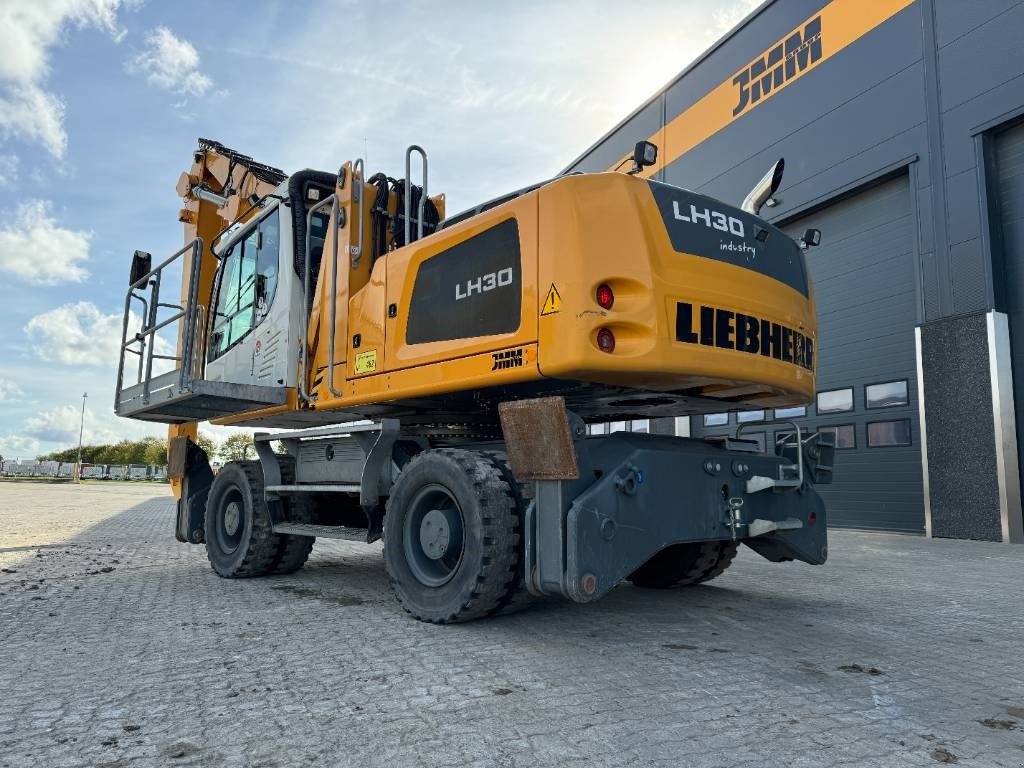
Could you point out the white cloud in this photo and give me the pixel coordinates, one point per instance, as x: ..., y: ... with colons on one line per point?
x: 37, y: 249
x: 81, y: 334
x: 18, y: 447
x: 8, y: 169
x: 171, y: 63
x: 59, y: 427
x: 28, y: 31
x: 9, y: 389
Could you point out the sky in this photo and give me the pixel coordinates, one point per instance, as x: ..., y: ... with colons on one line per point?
x: 101, y: 103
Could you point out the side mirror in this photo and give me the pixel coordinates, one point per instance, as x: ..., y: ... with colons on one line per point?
x: 811, y: 239
x: 644, y: 154
x: 142, y: 265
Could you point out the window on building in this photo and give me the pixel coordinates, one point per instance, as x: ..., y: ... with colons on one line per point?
x: 883, y: 434
x: 716, y: 419
x: 791, y: 413
x: 745, y: 417
x: 616, y: 426
x: 886, y: 395
x: 845, y: 435
x: 597, y: 429
x: 836, y: 401
x: 640, y: 425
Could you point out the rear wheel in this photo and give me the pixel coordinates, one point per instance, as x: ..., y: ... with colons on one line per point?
x: 451, y: 536
x: 683, y: 564
x: 239, y: 538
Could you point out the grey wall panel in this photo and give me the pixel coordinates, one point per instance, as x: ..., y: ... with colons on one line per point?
x: 956, y: 18
x: 963, y: 216
x: 1008, y: 148
x: 959, y: 123
x: 987, y: 55
x: 970, y: 286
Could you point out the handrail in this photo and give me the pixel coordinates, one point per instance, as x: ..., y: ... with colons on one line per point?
x: 336, y: 224
x: 408, y: 193
x: 358, y: 194
x: 304, y: 395
x: 146, y: 335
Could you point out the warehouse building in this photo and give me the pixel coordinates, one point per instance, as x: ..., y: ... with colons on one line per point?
x: 902, y: 126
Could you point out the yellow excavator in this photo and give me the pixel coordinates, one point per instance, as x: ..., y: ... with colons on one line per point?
x: 431, y: 379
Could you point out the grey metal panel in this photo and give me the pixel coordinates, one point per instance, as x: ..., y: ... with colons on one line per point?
x: 864, y: 282
x: 962, y: 206
x: 956, y: 18
x: 1009, y: 193
x: 958, y: 123
x: 988, y: 55
x: 967, y: 263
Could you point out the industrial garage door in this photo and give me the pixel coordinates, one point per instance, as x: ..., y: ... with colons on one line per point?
x: 864, y: 282
x: 1009, y: 156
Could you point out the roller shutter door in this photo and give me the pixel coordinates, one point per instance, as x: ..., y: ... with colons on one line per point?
x: 1009, y: 179
x: 864, y: 282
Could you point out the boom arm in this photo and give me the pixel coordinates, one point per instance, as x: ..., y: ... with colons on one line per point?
x: 221, y: 185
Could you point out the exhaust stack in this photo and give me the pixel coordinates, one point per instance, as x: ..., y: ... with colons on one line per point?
x: 764, y: 189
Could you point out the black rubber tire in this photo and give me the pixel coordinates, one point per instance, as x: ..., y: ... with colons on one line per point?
x: 682, y: 565
x: 518, y: 598
x: 489, y: 563
x: 293, y: 551
x: 256, y: 549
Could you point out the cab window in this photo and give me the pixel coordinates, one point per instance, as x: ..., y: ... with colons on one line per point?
x: 246, y: 284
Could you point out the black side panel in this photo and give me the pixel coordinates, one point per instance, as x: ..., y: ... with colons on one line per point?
x: 703, y: 226
x: 474, y: 288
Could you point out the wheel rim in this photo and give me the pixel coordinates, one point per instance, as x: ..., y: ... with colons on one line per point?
x: 433, y: 536
x: 231, y: 520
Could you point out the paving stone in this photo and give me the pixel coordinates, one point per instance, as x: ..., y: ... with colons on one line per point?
x: 138, y: 655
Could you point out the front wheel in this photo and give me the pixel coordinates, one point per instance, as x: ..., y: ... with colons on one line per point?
x: 240, y: 541
x: 451, y: 536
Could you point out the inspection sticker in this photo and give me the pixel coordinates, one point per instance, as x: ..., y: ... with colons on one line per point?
x: 366, y: 362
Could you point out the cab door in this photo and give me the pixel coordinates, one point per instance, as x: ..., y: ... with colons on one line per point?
x: 248, y: 341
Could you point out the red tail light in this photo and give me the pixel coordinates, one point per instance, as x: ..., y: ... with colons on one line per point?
x: 812, y: 518
x: 605, y: 296
x: 605, y: 340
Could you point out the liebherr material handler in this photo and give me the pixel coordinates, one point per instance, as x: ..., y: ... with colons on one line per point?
x: 434, y: 378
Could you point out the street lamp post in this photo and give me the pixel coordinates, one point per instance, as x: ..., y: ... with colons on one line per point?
x: 81, y: 429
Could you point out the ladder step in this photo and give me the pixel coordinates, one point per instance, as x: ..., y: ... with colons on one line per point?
x: 311, y: 488
x: 323, y: 531
x: 333, y: 431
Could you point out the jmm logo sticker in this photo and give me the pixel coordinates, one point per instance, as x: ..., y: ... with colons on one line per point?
x: 781, y: 63
x: 512, y: 358
x: 725, y: 329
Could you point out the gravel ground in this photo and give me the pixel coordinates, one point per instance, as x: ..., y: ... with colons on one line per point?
x: 120, y: 647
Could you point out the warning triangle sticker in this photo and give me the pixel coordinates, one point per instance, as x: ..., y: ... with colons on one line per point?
x: 552, y: 303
